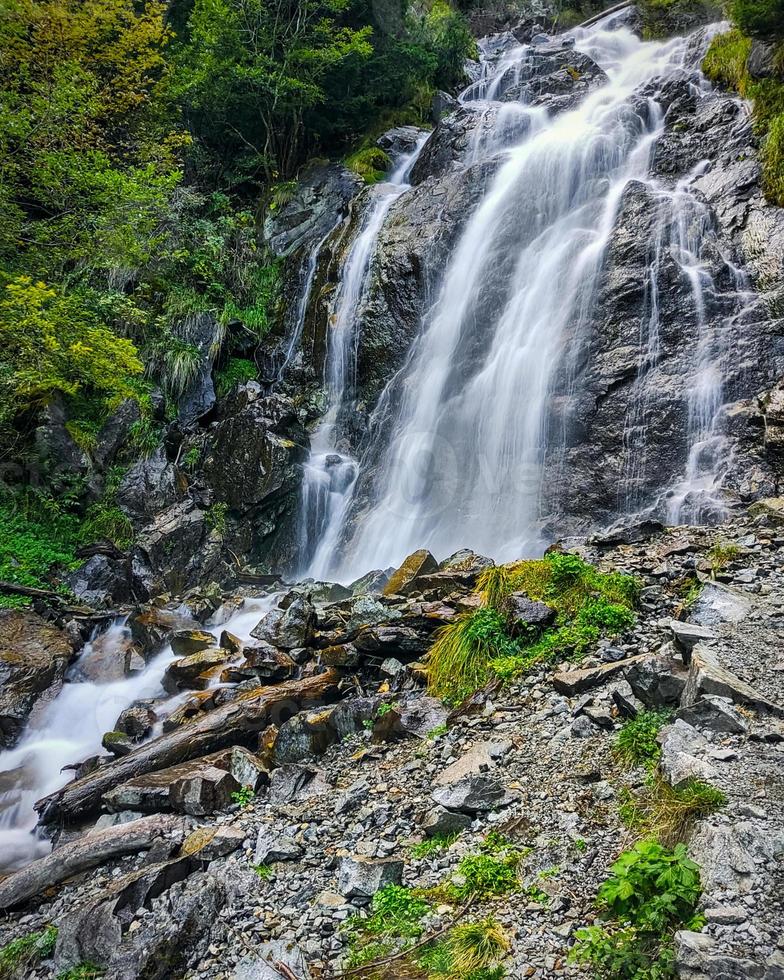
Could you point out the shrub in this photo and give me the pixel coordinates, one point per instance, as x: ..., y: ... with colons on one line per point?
x: 721, y: 555
x: 651, y: 892
x: 244, y: 796
x: 394, y: 911
x: 636, y: 742
x: 469, y: 951
x: 667, y: 813
x: 759, y: 18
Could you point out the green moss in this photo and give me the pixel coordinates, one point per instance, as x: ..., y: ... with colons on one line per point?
x: 370, y: 162
x: 433, y: 845
x: 236, y: 371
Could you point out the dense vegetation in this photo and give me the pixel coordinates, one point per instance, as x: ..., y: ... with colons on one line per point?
x: 488, y: 642
x: 728, y: 62
x: 140, y: 144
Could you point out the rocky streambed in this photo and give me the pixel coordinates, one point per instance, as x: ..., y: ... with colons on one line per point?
x: 275, y: 782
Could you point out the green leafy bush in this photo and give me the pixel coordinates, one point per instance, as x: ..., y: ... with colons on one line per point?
x: 651, y: 892
x: 483, y: 875
x: 763, y: 19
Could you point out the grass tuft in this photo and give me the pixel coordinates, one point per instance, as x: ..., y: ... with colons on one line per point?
x: 669, y: 814
x: 636, y: 743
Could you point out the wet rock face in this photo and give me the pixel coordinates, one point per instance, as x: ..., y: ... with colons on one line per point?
x: 33, y: 658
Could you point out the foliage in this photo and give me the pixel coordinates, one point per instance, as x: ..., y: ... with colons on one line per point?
x: 763, y: 19
x: 145, y: 436
x: 726, y: 64
x: 53, y: 345
x: 84, y: 971
x: 244, y: 796
x: 434, y: 844
x: 237, y: 371
x: 24, y: 953
x: 479, y: 644
x: 469, y: 951
x: 394, y: 911
x: 651, y: 892
x: 264, y: 871
x: 722, y: 554
x: 38, y: 541
x: 385, y: 708
x: 437, y: 732
x: 667, y: 813
x: 636, y: 742
x: 482, y: 875
x: 215, y: 517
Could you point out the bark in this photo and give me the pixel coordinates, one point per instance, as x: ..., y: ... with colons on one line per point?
x: 236, y: 723
x: 85, y: 853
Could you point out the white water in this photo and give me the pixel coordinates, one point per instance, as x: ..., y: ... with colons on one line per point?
x: 464, y: 464
x: 330, y: 474
x: 70, y: 729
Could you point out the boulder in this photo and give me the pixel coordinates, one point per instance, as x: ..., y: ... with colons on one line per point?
x: 523, y: 611
x: 115, y: 433
x: 707, y: 676
x: 658, y: 681
x: 309, y: 733
x: 440, y: 822
x: 33, y: 658
x: 352, y: 798
x: 272, y: 846
x: 210, y: 843
x: 186, y: 642
x: 288, y: 781
x: 148, y: 487
x: 713, y: 714
x: 196, y: 788
x: 288, y: 628
x: 181, y: 906
x: 370, y: 582
x: 572, y: 682
x: 681, y: 755
x: 111, y: 656
x: 403, y: 579
x: 482, y: 756
x: 136, y: 721
x: 688, y: 635
x: 717, y: 604
x: 361, y: 877
x: 394, y: 639
x: 101, y: 581
x: 268, y: 663
x: 472, y: 794
x: 194, y: 671
x: 118, y: 743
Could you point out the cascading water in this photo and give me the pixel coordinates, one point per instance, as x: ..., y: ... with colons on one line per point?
x: 71, y: 727
x: 464, y: 463
x: 330, y: 474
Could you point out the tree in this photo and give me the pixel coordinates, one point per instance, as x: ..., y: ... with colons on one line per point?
x: 763, y: 19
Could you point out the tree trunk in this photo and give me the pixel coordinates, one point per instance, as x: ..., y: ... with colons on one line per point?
x: 85, y: 853
x: 236, y: 723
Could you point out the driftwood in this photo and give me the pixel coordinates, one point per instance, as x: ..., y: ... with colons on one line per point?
x: 87, y: 852
x: 236, y: 723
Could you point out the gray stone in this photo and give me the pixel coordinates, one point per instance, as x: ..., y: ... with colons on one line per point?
x: 707, y: 676
x: 288, y: 628
x: 272, y: 846
x: 440, y: 822
x: 361, y: 877
x: 713, y: 714
x: 658, y: 681
x: 523, y: 611
x: 682, y: 754
x: 353, y: 797
x: 472, y: 794
x: 572, y: 682
x: 688, y: 635
x: 287, y: 782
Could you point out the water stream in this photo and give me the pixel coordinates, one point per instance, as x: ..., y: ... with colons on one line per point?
x: 70, y: 728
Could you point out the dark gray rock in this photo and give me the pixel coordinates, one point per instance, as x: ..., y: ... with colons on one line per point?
x: 440, y: 822
x: 473, y: 794
x: 148, y: 487
x: 33, y: 658
x: 523, y: 611
x: 714, y: 714
x: 658, y: 681
x: 272, y: 846
x: 101, y: 581
x: 115, y: 432
x: 288, y: 628
x: 361, y: 877
x: 288, y: 781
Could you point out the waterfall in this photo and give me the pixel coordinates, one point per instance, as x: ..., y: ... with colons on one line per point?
x: 463, y: 465
x: 329, y: 474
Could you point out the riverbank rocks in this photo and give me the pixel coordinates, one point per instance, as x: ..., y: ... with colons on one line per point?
x: 288, y: 628
x: 196, y: 788
x: 404, y: 578
x: 33, y: 658
x: 194, y: 671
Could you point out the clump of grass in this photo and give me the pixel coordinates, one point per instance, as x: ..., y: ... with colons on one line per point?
x: 434, y: 844
x: 668, y: 814
x: 24, y: 953
x: 469, y: 951
x: 395, y: 921
x: 264, y: 871
x: 486, y: 643
x: 725, y: 60
x: 636, y: 743
x: 84, y: 971
x: 483, y: 875
x: 721, y: 555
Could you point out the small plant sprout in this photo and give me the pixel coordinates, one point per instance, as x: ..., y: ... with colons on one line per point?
x: 243, y: 796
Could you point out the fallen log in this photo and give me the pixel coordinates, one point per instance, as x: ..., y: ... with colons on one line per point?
x: 87, y: 852
x: 236, y: 723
